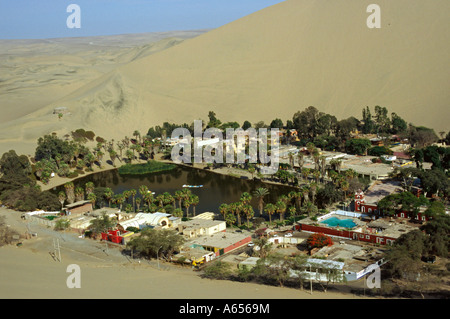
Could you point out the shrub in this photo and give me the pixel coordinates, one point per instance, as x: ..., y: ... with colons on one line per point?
x: 319, y: 240
x: 73, y: 175
x: 149, y: 167
x: 217, y: 270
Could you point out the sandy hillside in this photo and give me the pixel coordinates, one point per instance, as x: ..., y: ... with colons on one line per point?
x: 30, y: 271
x: 35, y: 73
x: 271, y: 64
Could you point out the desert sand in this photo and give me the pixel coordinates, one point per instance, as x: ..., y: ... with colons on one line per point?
x: 269, y: 64
x: 35, y: 73
x: 29, y: 271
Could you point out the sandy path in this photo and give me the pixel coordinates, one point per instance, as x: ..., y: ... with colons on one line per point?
x: 29, y: 271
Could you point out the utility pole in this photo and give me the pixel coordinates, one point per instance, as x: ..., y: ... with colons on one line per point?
x: 57, y: 249
x: 157, y: 256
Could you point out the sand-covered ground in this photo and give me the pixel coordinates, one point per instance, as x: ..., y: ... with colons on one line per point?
x: 29, y: 271
x: 267, y: 65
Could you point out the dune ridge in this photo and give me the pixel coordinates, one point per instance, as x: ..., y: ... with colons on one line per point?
x: 271, y: 64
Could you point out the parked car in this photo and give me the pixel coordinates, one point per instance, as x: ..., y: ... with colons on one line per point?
x: 251, y: 244
x: 429, y: 259
x: 288, y: 235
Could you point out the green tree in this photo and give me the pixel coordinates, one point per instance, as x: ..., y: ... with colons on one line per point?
x: 358, y: 146
x: 62, y: 198
x: 156, y: 243
x: 102, y: 224
x: 109, y: 194
x: 270, y: 210
x: 246, y: 125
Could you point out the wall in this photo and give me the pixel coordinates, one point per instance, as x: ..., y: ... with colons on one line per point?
x: 371, y: 238
x: 81, y: 209
x: 238, y: 244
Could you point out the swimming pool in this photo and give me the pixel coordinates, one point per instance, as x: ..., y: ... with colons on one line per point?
x: 334, y: 221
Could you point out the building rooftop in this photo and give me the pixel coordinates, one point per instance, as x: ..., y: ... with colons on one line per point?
x: 379, y: 190
x: 76, y: 204
x: 219, y: 240
x: 195, y: 223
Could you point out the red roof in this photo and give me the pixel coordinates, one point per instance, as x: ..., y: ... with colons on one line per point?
x: 402, y: 155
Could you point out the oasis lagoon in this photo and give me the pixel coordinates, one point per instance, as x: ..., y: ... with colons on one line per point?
x: 217, y: 188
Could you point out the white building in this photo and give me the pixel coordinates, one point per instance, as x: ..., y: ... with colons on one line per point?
x: 202, y: 227
x: 142, y: 220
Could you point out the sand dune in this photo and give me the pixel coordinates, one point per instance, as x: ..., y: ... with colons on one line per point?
x: 35, y: 73
x: 271, y: 64
x: 29, y: 271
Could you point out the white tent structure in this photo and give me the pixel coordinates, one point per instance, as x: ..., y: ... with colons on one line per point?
x: 142, y: 220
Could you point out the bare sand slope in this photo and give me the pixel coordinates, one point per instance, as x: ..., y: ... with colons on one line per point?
x: 35, y: 73
x: 29, y: 271
x: 271, y: 64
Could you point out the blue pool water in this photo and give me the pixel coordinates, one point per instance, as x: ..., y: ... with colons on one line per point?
x: 334, y: 221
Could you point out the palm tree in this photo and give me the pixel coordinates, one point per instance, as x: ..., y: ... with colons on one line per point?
x: 177, y: 212
x: 281, y: 208
x: 223, y: 209
x: 323, y: 166
x: 133, y: 195
x: 350, y: 174
x: 178, y: 196
x: 334, y: 177
x: 187, y: 203
x: 300, y: 160
x: 291, y: 159
x: 138, y: 149
x: 143, y: 189
x: 292, y: 212
x: 119, y: 199
x: 316, y: 174
x: 194, y: 201
x: 245, y: 198
x: 137, y: 134
x: 270, y: 209
x: 345, y: 185
x: 138, y: 203
x: 99, y: 156
x: 160, y: 199
x: 130, y: 155
x: 109, y: 194
x: 90, y: 158
x: 305, y: 173
x: 336, y: 164
x: 126, y: 194
x: 234, y: 209
x: 89, y: 187
x: 121, y: 147
x: 79, y: 194
x: 309, y: 208
x: 248, y: 212
x: 62, y: 197
x: 298, y: 196
x: 260, y: 193
x: 148, y: 197
x: 305, y: 192
x: 169, y: 199
x: 92, y: 198
x: 313, y: 190
x: 69, y: 187
x: 113, y: 155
